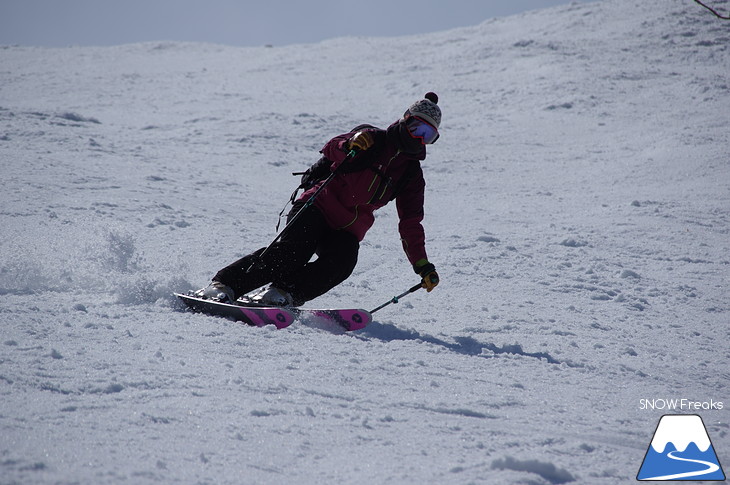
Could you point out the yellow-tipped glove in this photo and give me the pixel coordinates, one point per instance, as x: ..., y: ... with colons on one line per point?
x: 430, y: 278
x: 362, y: 140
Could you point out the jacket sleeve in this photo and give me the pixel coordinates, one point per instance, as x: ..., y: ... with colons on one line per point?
x: 335, y: 149
x: 410, y: 213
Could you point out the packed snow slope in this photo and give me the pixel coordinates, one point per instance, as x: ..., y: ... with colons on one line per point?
x: 578, y: 212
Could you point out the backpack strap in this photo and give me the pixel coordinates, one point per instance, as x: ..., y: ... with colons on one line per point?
x: 406, y: 178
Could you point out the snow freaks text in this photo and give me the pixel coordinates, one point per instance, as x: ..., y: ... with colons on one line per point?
x: 679, y: 404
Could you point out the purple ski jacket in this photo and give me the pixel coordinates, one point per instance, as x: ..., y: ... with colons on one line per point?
x: 349, y: 200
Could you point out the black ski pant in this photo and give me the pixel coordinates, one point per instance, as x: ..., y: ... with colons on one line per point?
x: 287, y: 266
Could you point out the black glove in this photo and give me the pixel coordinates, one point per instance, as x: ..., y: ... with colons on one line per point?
x: 428, y: 273
x: 316, y: 173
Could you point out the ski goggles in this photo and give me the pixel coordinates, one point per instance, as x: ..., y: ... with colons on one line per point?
x: 419, y: 128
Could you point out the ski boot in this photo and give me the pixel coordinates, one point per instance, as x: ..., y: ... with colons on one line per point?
x: 268, y: 297
x: 217, y: 291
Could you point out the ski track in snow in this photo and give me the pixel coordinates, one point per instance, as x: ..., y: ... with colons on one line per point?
x: 578, y: 212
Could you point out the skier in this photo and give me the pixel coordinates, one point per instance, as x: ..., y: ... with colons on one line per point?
x: 333, y: 225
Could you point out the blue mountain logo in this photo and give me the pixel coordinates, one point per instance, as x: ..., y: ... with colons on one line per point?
x: 681, y: 450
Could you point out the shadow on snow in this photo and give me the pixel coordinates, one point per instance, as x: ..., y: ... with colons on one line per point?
x: 387, y: 332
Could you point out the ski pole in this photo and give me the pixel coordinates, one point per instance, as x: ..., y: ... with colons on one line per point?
x: 396, y: 299
x: 351, y: 154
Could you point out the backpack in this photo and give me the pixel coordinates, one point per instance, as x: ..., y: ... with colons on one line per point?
x: 321, y: 169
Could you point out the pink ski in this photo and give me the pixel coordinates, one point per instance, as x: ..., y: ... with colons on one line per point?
x: 349, y: 319
x: 258, y: 316
x: 265, y: 316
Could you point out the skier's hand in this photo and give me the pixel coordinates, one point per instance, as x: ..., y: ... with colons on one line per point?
x: 362, y: 140
x: 430, y: 278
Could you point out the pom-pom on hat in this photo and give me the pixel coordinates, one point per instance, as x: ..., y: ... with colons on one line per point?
x: 427, y: 109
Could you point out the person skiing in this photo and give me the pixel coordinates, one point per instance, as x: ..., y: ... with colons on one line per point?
x: 371, y: 167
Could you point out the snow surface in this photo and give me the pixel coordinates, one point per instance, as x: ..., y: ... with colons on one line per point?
x: 578, y: 211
